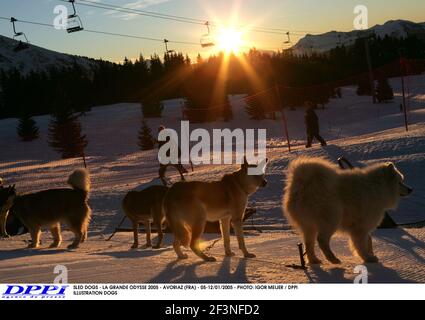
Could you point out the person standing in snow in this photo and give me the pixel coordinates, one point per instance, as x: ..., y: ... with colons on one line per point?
x: 312, y: 125
x: 163, y: 167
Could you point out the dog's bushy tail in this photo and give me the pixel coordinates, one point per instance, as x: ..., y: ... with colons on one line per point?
x: 80, y: 180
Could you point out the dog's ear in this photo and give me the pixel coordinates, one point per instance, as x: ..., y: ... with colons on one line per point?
x: 245, y: 163
x: 390, y: 166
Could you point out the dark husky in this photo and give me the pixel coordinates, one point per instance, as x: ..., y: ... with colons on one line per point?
x: 146, y: 206
x: 51, y: 208
x: 13, y: 225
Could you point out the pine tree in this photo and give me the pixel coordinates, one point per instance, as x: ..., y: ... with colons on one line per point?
x: 255, y: 108
x: 199, y: 105
x: 65, y: 135
x: 145, y: 138
x: 384, y: 92
x: 27, y: 129
x: 151, y: 107
x: 364, y: 88
x: 227, y: 110
x: 199, y: 59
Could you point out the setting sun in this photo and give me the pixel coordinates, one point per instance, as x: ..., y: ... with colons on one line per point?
x: 230, y: 40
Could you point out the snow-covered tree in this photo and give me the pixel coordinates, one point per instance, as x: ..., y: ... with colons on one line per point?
x: 151, y: 107
x: 384, y: 92
x: 145, y: 138
x: 255, y: 108
x: 27, y: 129
x: 65, y: 135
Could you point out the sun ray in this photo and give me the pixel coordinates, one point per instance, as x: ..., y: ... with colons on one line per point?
x: 230, y: 40
x: 255, y: 80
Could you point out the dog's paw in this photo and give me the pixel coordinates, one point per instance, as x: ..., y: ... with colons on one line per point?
x: 371, y: 259
x: 134, y: 246
x: 210, y: 259
x: 249, y: 255
x: 32, y: 246
x: 72, y: 247
x: 314, y: 261
x: 230, y: 254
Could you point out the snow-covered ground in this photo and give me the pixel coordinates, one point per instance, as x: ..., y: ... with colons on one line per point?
x: 363, y: 132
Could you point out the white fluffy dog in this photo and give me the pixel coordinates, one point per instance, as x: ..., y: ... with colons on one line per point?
x: 321, y: 199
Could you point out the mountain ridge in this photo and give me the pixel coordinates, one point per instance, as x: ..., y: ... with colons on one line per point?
x: 329, y: 40
x: 35, y: 58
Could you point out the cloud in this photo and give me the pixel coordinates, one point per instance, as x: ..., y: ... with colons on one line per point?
x: 136, y: 5
x: 142, y: 4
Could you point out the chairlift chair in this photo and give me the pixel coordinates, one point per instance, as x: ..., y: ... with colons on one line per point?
x: 22, y: 45
x: 74, y: 21
x: 289, y: 38
x: 167, y: 51
x: 206, y: 39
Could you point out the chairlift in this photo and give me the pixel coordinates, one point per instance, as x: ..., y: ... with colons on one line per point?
x: 22, y: 45
x: 289, y: 38
x: 74, y: 21
x: 167, y: 51
x: 206, y: 39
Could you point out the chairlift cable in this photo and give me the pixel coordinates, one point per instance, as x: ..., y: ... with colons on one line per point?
x: 133, y: 11
x: 106, y: 32
x: 182, y: 19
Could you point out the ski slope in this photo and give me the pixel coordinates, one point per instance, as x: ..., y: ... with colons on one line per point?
x: 354, y: 127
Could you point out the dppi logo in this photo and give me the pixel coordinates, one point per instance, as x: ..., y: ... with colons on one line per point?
x: 35, y: 291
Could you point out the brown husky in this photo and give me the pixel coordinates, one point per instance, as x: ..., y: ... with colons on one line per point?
x: 189, y: 205
x: 50, y: 208
x: 144, y: 206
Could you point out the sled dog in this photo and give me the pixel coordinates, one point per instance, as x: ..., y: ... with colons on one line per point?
x: 146, y: 206
x: 189, y: 205
x: 50, y: 208
x: 321, y: 199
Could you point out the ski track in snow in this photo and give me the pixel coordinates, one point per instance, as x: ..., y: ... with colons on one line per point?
x: 363, y: 132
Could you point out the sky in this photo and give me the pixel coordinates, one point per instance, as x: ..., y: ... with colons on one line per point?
x: 300, y: 15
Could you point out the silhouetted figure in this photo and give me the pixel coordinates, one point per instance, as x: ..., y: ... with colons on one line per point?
x: 163, y: 167
x: 312, y: 125
x: 338, y: 93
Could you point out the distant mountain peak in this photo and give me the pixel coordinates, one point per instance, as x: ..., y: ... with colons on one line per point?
x: 329, y: 40
x: 35, y: 58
